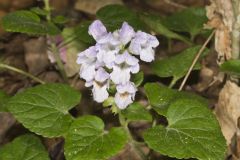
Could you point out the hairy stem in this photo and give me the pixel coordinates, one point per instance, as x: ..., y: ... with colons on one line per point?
x: 195, y: 60
x: 59, y: 61
x: 132, y: 142
x: 53, y: 45
x: 11, y: 68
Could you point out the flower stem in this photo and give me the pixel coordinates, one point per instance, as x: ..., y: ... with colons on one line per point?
x: 11, y: 68
x: 132, y: 142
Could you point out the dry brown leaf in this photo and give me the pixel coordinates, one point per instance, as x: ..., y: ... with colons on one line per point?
x: 228, y: 110
x: 91, y: 6
x: 221, y: 18
x: 35, y: 55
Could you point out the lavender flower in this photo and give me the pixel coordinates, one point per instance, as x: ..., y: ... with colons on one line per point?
x: 111, y: 52
x: 100, y: 85
x: 124, y: 64
x: 143, y: 44
x: 97, y: 30
x: 125, y: 94
x: 89, y: 63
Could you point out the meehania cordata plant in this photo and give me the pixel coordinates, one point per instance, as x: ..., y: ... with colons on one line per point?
x: 112, y: 60
x: 111, y: 67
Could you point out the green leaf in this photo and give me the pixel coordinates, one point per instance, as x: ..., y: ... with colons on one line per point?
x: 189, y: 20
x: 178, y: 65
x: 87, y: 140
x: 26, y: 147
x: 60, y: 19
x: 3, y: 100
x: 44, y: 109
x: 231, y: 67
x: 109, y: 102
x: 192, y: 132
x: 27, y: 22
x: 81, y: 33
x: 138, y: 78
x: 155, y: 23
x: 160, y: 97
x: 114, y: 15
x: 39, y: 11
x: 137, y: 112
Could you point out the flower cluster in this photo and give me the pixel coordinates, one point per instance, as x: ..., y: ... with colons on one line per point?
x: 112, y: 61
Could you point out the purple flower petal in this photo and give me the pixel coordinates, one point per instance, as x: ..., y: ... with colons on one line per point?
x: 100, y: 92
x: 119, y: 75
x: 122, y: 100
x: 147, y: 54
x: 126, y: 33
x: 87, y: 72
x: 101, y: 75
x: 97, y: 30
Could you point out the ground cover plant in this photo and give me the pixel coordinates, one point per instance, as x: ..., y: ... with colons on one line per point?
x: 124, y: 82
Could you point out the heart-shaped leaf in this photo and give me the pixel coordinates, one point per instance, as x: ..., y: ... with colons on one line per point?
x: 26, y: 147
x: 27, y: 22
x: 87, y: 140
x: 192, y: 132
x: 231, y: 67
x: 114, y: 15
x: 189, y: 20
x: 178, y: 65
x: 44, y: 109
x: 137, y: 112
x: 160, y: 97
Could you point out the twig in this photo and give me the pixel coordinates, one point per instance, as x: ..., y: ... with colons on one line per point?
x: 175, y: 4
x: 195, y: 60
x: 11, y: 68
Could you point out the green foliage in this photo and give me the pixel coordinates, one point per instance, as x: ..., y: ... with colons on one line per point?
x: 3, y: 100
x: 160, y: 97
x: 178, y: 65
x: 60, y: 19
x: 44, y: 109
x: 27, y: 22
x: 39, y: 11
x: 81, y: 33
x: 156, y: 24
x: 136, y: 112
x: 87, y: 140
x: 192, y: 132
x: 114, y: 15
x: 231, y: 67
x: 138, y: 78
x: 26, y: 147
x: 189, y: 20
x: 109, y: 102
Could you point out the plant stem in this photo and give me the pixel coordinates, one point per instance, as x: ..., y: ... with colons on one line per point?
x: 11, y: 68
x: 173, y: 82
x: 195, y: 60
x: 59, y: 61
x: 132, y: 142
x: 48, y: 9
x: 53, y: 45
